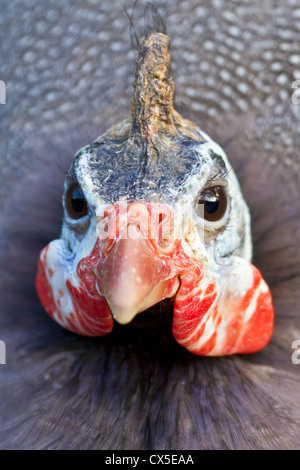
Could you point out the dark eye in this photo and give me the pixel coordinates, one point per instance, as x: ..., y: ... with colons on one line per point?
x: 76, y: 204
x: 212, y: 203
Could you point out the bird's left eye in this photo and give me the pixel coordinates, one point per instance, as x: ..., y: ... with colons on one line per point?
x: 76, y: 204
x: 212, y: 203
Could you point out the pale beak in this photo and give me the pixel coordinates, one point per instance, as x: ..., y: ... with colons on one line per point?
x: 134, y: 276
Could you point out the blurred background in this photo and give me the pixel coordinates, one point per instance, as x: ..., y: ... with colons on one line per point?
x: 68, y: 69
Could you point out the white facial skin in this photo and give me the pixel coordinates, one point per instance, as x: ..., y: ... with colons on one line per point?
x: 235, y: 239
x: 212, y: 243
x: 207, y: 242
x: 231, y: 235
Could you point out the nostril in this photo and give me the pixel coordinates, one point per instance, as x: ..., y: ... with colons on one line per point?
x: 164, y: 243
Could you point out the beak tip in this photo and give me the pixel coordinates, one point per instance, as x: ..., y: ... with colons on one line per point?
x: 123, y: 315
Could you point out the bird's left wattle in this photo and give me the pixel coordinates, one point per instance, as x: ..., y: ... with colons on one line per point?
x: 153, y: 210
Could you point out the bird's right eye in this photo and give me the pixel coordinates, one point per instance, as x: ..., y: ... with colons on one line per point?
x: 76, y: 204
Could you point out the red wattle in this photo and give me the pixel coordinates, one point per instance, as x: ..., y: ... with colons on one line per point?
x: 91, y: 315
x: 210, y: 320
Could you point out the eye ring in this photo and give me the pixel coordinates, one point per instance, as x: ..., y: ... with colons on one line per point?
x: 212, y: 204
x: 75, y: 202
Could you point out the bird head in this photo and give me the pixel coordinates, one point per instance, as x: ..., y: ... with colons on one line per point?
x: 153, y: 210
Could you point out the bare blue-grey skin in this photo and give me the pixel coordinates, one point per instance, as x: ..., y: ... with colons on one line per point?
x: 68, y: 71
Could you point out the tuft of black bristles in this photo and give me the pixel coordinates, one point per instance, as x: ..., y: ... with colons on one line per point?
x: 152, y: 23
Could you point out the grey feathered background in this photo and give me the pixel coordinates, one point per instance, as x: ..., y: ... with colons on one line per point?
x: 68, y: 68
